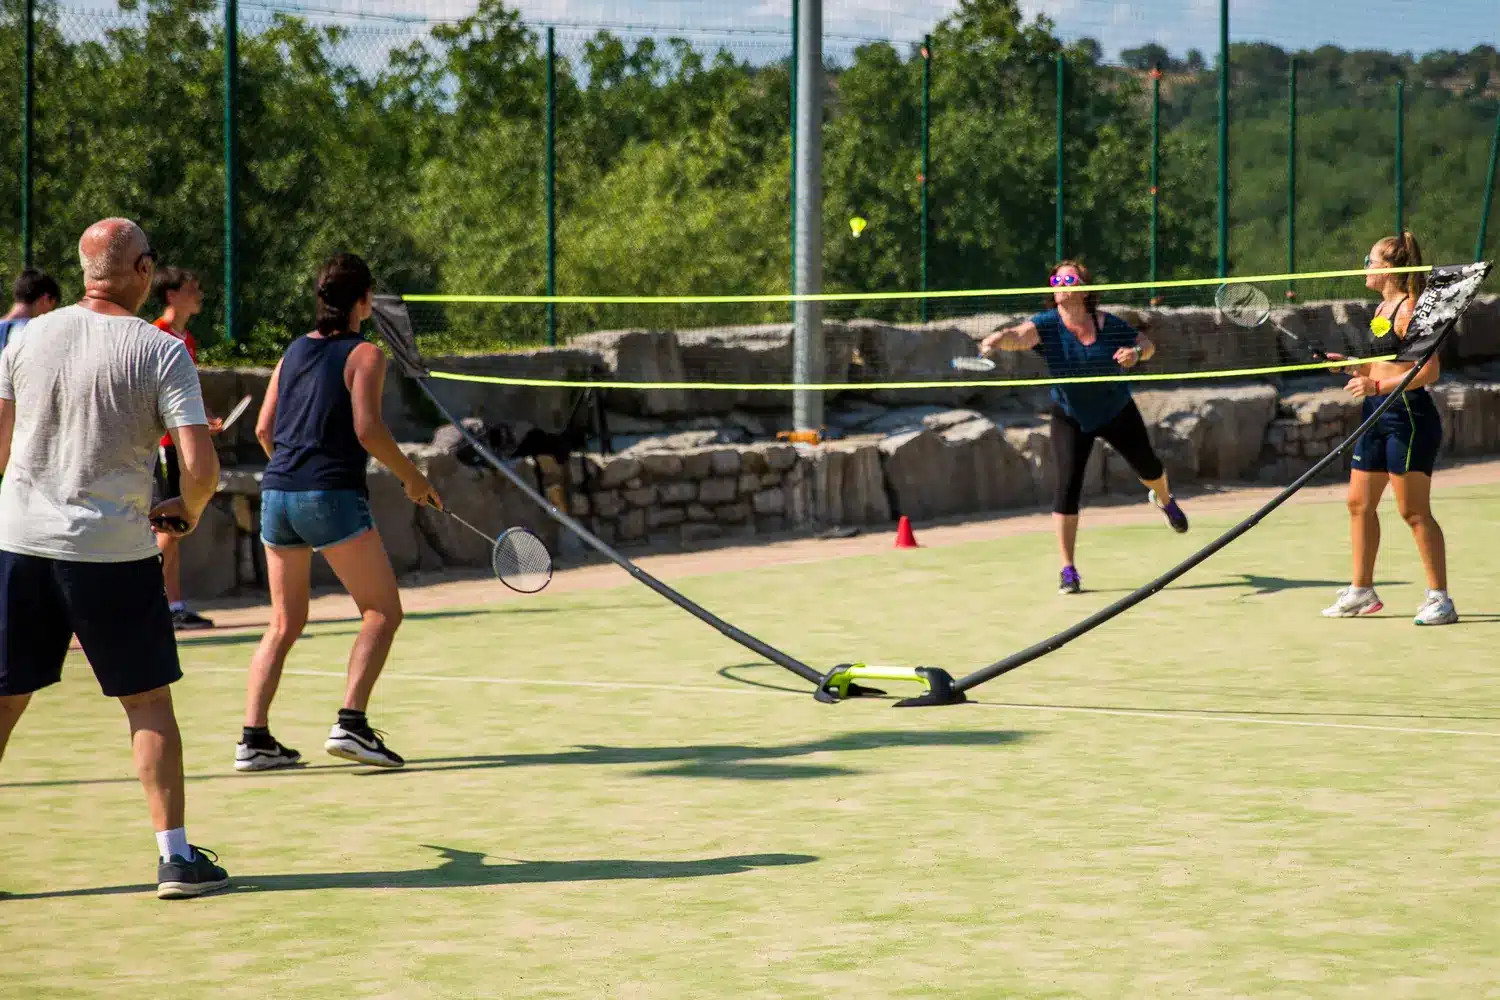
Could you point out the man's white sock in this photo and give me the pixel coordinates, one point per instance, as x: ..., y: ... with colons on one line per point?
x: 1441, y: 595
x: 177, y: 606
x: 170, y: 842
x: 1361, y: 591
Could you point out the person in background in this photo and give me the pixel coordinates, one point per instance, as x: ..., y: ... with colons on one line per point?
x: 1075, y: 339
x: 34, y: 294
x: 1402, y: 447
x: 181, y: 299
x: 85, y: 393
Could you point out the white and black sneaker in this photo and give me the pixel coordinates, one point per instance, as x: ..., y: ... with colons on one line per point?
x: 178, y: 878
x: 265, y: 758
x: 361, y: 746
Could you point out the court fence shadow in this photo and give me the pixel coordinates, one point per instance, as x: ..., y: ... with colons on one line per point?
x: 461, y: 869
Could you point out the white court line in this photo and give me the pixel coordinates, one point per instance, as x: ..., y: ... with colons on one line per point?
x: 1188, y: 716
x: 1240, y: 719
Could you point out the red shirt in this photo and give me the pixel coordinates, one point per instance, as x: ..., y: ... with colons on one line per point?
x: 192, y: 349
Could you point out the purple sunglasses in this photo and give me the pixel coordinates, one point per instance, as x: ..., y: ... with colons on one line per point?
x: 1064, y: 279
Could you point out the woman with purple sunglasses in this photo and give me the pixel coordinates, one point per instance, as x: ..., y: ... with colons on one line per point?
x: 1076, y: 339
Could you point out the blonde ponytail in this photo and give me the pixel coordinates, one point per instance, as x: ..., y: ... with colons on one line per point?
x: 1404, y: 251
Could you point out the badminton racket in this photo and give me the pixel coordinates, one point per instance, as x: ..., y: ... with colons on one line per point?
x: 1247, y: 306
x: 235, y: 414
x: 519, y: 558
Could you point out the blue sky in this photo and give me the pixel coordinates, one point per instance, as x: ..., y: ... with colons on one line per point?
x: 1412, y: 25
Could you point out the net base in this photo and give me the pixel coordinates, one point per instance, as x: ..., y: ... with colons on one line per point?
x: 842, y: 682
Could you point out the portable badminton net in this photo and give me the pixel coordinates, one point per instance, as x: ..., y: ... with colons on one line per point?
x: 1449, y: 292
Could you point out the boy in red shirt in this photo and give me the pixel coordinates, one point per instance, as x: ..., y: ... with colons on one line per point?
x: 181, y: 297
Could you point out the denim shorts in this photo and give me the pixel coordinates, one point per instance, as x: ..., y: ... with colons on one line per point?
x: 316, y: 518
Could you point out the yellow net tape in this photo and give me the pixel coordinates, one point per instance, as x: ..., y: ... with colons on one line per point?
x: 967, y: 293
x: 1003, y: 383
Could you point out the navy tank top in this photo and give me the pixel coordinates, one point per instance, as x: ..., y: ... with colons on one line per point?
x: 314, y: 445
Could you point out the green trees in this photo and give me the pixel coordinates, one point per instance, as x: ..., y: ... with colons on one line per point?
x: 424, y: 151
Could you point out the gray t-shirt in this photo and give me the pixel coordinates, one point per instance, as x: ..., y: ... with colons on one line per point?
x: 93, y: 395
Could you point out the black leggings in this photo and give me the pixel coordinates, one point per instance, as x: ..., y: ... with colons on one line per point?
x: 1071, y: 446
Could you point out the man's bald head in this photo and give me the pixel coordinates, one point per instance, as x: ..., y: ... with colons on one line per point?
x: 109, y: 249
x: 115, y: 267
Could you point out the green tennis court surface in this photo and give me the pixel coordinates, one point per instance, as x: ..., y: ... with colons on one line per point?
x: 1221, y: 794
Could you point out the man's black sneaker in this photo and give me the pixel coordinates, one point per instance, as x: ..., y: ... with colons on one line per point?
x: 249, y: 758
x: 189, y: 621
x: 177, y: 878
x: 361, y: 746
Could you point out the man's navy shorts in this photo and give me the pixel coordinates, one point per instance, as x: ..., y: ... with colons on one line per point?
x: 118, y: 611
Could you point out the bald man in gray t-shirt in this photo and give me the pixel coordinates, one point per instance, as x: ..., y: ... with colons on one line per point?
x: 85, y: 392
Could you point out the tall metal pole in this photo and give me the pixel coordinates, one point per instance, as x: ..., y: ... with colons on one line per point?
x: 1223, y: 138
x: 1291, y: 176
x: 551, y: 185
x: 792, y: 71
x: 1400, y: 157
x: 231, y: 163
x: 807, y: 362
x: 1155, y: 174
x: 1058, y: 197
x: 1489, y: 192
x: 26, y: 122
x: 924, y: 178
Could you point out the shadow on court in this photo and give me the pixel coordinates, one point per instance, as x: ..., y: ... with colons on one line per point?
x: 1261, y: 585
x: 729, y: 761
x: 467, y: 869
x: 236, y: 635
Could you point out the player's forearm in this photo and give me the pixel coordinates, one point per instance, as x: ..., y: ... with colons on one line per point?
x: 382, y: 446
x: 198, y: 465
x: 1013, y: 339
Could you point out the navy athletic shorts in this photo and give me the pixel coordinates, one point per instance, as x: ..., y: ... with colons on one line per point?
x: 118, y: 611
x: 1405, y: 439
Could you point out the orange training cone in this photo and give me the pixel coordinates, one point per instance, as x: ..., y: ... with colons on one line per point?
x: 904, y: 537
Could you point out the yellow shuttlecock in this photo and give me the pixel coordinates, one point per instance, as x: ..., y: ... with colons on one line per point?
x: 857, y: 226
x: 1380, y: 326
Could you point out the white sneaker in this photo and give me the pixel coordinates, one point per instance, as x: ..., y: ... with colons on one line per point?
x: 248, y: 758
x: 1351, y: 604
x: 1438, y: 609
x: 362, y: 748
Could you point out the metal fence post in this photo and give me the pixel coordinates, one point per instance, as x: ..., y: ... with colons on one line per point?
x: 551, y: 182
x: 925, y: 177
x: 1155, y: 175
x: 27, y: 83
x: 1489, y: 192
x: 792, y: 71
x: 1058, y: 197
x: 807, y: 359
x: 1291, y: 176
x: 1223, y: 138
x: 231, y: 155
x: 1400, y: 157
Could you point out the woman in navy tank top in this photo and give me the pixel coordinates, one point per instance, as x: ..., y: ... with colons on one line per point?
x: 319, y: 425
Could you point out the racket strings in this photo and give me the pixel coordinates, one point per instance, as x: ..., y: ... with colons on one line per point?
x: 522, y: 561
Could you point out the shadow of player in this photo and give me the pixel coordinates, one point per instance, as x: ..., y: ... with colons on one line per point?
x: 467, y: 869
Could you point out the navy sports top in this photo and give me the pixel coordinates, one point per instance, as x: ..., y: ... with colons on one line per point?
x: 314, y: 444
x: 1091, y: 404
